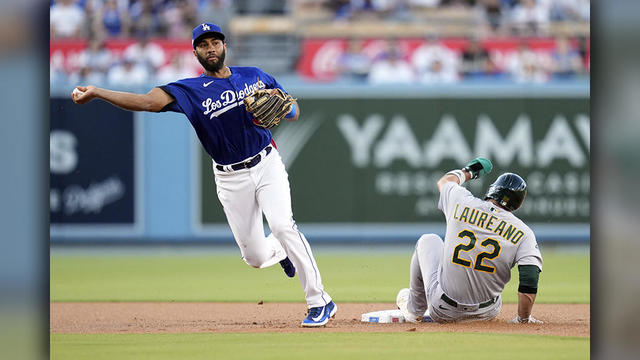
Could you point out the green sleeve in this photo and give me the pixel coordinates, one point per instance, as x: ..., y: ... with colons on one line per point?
x: 529, y: 275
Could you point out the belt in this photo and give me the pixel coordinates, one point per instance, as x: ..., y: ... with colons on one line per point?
x: 247, y: 164
x: 453, y: 303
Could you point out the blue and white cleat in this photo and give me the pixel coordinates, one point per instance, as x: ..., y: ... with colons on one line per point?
x: 319, y: 316
x: 288, y: 267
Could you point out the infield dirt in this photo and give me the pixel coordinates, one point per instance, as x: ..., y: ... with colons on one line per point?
x: 173, y: 317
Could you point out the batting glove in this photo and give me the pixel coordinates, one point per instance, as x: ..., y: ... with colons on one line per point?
x: 478, y: 167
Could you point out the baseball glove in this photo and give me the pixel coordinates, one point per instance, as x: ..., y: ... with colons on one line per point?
x: 478, y: 167
x: 268, y: 107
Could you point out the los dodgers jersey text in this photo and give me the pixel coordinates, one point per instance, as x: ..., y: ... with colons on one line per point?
x: 215, y: 109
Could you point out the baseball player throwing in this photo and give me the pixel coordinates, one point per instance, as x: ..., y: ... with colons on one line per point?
x: 231, y: 110
x: 462, y: 277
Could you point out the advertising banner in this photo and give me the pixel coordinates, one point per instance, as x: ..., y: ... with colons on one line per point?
x: 92, y: 165
x: 377, y: 160
x: 321, y: 59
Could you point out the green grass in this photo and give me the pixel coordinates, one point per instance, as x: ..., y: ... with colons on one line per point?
x: 349, y: 277
x: 321, y: 346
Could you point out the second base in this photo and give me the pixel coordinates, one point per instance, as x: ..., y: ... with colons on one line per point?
x: 383, y: 317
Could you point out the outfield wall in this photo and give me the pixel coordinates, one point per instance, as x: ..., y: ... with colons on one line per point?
x: 363, y: 162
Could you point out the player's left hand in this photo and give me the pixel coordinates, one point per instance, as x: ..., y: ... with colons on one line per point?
x: 478, y: 167
x: 529, y: 320
x: 268, y: 106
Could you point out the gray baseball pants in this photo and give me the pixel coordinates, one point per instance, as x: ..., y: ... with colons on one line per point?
x: 426, y: 292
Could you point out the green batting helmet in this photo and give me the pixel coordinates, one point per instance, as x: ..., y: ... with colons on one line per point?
x: 509, y: 190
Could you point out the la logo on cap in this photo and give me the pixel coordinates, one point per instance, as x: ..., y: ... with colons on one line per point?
x: 205, y: 27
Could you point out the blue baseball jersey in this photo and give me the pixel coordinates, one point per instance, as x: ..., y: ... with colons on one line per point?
x: 215, y: 109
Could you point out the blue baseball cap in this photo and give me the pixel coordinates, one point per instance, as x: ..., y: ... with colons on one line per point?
x: 205, y: 29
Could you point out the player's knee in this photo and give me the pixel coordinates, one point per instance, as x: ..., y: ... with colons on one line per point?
x: 426, y: 239
x: 251, y: 262
x: 255, y: 260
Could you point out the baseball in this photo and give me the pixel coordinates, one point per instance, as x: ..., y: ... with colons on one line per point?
x: 76, y: 92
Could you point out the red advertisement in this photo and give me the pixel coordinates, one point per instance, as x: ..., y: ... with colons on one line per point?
x: 66, y: 53
x: 319, y: 58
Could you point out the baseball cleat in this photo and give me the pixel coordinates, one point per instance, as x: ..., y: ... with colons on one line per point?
x: 319, y: 316
x: 288, y: 267
x: 402, y: 300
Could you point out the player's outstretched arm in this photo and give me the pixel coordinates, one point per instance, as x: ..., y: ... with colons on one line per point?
x: 473, y: 170
x: 153, y: 101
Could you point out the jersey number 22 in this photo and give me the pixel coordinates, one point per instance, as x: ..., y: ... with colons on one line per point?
x: 481, y: 256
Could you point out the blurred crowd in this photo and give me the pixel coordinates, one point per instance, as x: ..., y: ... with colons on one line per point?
x: 495, y: 17
x: 381, y: 61
x: 144, y: 61
x: 134, y: 18
x: 141, y: 63
x: 433, y: 63
x: 176, y: 18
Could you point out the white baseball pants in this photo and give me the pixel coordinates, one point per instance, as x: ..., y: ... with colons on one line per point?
x: 426, y: 291
x: 246, y: 194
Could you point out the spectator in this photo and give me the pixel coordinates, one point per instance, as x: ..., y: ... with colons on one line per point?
x: 128, y: 74
x: 576, y: 10
x: 66, y: 19
x: 458, y: 3
x: 391, y: 68
x: 436, y: 73
x: 526, y: 67
x: 341, y: 8
x: 145, y: 17
x: 87, y: 75
x: 490, y: 16
x: 475, y: 60
x: 96, y: 56
x: 422, y: 4
x: 146, y: 53
x: 566, y: 62
x: 425, y: 55
x: 585, y: 53
x: 115, y: 20
x: 353, y: 64
x: 493, y: 71
x: 363, y: 9
x: 175, y: 69
x: 582, y: 10
x: 383, y: 8
x: 218, y: 12
x: 508, y: 5
x: 530, y: 18
x: 179, y: 18
x: 478, y: 64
